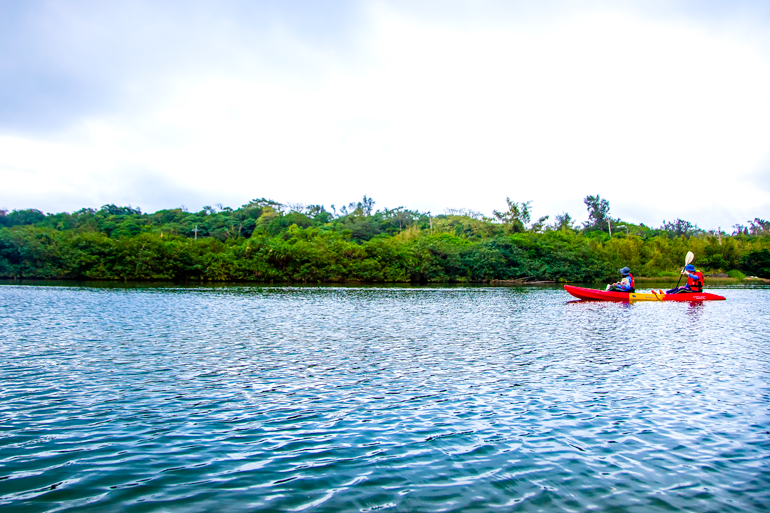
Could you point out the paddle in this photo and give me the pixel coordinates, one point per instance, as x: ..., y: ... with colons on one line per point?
x: 687, y: 261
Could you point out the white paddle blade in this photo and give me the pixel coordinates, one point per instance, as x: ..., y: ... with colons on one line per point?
x: 688, y: 259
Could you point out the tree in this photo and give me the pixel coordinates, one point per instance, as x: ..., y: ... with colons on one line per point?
x: 120, y: 211
x: 268, y: 215
x: 516, y: 217
x: 262, y: 202
x: 563, y: 222
x: 23, y: 217
x: 366, y: 206
x: 679, y: 227
x: 539, y: 225
x: 757, y: 263
x: 759, y: 227
x: 739, y: 229
x: 318, y: 213
x: 398, y: 216
x: 598, y: 212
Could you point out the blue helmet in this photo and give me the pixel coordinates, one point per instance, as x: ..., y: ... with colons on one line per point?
x: 625, y: 271
x: 690, y: 268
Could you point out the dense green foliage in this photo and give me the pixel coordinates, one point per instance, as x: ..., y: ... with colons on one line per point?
x: 267, y: 241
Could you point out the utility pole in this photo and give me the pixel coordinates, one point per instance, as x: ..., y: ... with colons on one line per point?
x: 719, y: 234
x: 196, y: 231
x: 609, y: 226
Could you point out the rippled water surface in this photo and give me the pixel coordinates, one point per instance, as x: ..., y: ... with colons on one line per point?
x: 364, y: 399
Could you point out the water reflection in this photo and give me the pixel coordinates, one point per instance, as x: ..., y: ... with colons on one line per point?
x: 695, y: 309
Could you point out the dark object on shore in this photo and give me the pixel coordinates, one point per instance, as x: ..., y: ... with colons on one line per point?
x: 519, y: 281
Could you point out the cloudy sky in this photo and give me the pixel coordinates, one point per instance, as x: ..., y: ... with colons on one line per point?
x: 661, y: 107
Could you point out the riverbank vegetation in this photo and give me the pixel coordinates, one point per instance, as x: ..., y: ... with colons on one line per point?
x: 268, y: 241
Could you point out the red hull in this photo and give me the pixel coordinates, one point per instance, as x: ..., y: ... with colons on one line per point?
x: 602, y: 295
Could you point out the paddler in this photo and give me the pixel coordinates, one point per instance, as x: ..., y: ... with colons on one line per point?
x: 624, y: 285
x: 694, y: 281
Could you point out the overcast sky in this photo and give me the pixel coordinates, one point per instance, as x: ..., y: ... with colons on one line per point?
x: 661, y: 107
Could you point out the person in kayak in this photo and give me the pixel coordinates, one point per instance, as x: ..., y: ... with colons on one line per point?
x: 624, y: 285
x: 694, y: 281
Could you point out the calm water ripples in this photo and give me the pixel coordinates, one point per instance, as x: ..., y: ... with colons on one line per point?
x: 361, y: 399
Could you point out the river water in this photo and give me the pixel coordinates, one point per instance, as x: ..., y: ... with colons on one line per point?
x: 368, y: 399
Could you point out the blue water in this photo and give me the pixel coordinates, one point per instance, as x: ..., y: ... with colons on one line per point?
x: 368, y: 399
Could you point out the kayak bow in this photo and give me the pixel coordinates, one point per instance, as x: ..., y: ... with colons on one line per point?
x: 603, y: 295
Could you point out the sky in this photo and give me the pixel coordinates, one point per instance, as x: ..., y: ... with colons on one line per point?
x: 661, y: 107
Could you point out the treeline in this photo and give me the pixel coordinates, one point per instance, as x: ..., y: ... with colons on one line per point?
x: 268, y: 241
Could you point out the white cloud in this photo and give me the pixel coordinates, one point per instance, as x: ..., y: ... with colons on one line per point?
x: 432, y: 114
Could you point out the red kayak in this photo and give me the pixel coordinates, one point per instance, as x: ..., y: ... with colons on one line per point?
x: 603, y: 295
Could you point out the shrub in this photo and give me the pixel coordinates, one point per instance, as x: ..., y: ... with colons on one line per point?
x: 757, y: 263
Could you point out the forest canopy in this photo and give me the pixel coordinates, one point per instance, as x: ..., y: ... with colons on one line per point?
x: 268, y: 241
